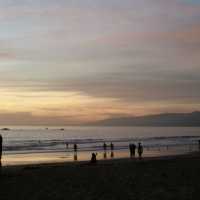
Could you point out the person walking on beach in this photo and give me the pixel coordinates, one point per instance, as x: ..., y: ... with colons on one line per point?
x: 199, y: 145
x: 112, y: 150
x: 105, y: 150
x: 140, y: 150
x: 75, y: 152
x: 105, y: 146
x: 75, y: 147
x: 1, y: 148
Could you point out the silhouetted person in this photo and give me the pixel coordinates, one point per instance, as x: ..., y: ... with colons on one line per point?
x: 105, y: 146
x: 140, y: 150
x: 94, y: 158
x: 1, y: 148
x: 199, y: 145
x: 75, y: 152
x: 67, y: 145
x: 112, y: 150
x: 112, y: 146
x: 132, y: 148
x: 75, y: 147
x: 105, y: 150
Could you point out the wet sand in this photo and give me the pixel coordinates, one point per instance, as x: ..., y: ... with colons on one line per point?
x: 68, y: 156
x: 172, y: 177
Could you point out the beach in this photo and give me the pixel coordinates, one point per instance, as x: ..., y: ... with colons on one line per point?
x: 170, y: 177
x: 36, y: 145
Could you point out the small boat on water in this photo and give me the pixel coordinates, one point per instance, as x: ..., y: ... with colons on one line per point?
x: 5, y: 129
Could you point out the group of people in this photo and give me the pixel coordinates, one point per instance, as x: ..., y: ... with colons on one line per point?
x: 132, y: 148
x: 105, y: 147
x: 94, y: 155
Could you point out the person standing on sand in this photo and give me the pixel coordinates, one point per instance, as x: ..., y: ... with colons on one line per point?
x: 199, y: 145
x: 105, y: 150
x: 133, y: 150
x: 105, y: 146
x: 75, y: 147
x: 1, y: 148
x: 140, y: 150
x: 75, y: 152
x: 112, y: 150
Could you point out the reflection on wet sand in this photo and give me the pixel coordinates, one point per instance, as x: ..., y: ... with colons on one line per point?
x: 69, y: 156
x: 75, y: 157
x: 105, y: 155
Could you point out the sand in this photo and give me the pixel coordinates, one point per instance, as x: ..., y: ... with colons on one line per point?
x: 176, y: 177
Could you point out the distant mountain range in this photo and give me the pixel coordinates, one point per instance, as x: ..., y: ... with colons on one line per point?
x: 165, y: 119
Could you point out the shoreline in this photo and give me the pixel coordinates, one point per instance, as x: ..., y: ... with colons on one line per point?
x: 194, y: 154
x: 68, y: 156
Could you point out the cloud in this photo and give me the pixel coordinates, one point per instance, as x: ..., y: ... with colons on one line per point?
x: 21, y: 118
x: 142, y: 55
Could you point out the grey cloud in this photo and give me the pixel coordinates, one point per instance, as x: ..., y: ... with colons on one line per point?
x: 125, y: 87
x: 134, y: 51
x: 26, y: 118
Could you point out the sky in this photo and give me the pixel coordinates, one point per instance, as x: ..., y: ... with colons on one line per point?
x: 72, y: 62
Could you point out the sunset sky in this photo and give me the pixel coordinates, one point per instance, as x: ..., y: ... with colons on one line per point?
x: 74, y: 61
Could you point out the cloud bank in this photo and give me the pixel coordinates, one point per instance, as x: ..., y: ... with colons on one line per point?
x: 111, y: 58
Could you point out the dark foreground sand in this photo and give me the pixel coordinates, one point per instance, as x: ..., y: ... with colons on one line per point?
x: 164, y: 178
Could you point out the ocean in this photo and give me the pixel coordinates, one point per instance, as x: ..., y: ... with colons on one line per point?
x: 27, y: 145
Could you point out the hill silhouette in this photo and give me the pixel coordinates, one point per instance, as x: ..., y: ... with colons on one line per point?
x: 164, y: 119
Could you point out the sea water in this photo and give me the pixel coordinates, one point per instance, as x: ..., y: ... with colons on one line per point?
x: 27, y: 145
